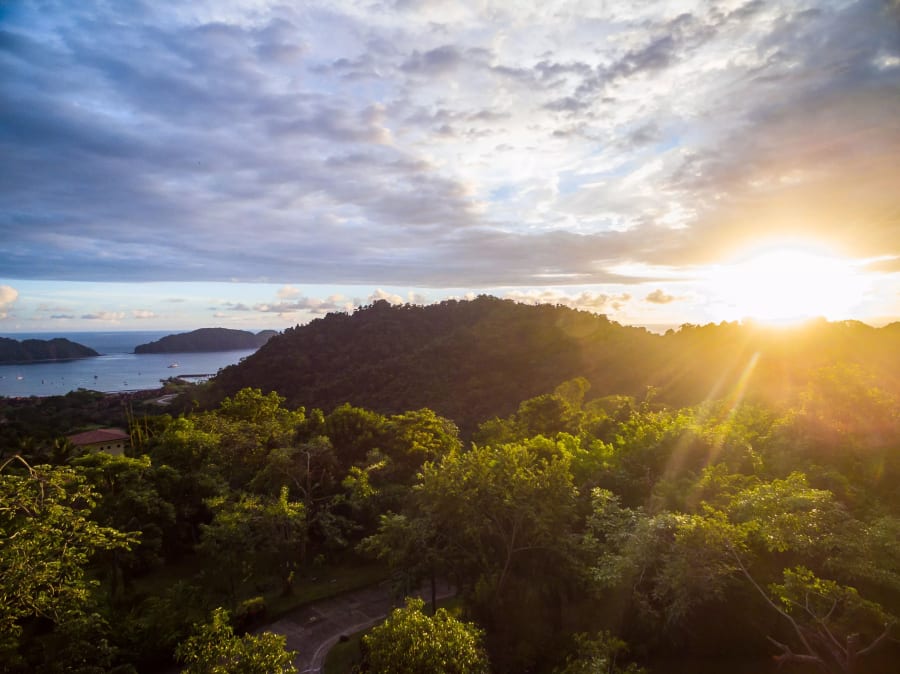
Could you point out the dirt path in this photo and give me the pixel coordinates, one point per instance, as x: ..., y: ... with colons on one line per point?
x: 312, y: 630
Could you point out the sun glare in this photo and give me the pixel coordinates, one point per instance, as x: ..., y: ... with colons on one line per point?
x: 787, y: 284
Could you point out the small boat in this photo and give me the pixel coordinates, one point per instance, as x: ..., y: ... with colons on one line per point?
x: 174, y: 365
x: 19, y: 377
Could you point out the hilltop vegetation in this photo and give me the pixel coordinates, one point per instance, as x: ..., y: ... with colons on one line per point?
x: 470, y: 361
x: 753, y: 527
x: 572, y: 527
x: 207, y: 339
x: 36, y: 350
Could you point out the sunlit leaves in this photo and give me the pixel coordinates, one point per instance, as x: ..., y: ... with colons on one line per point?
x: 410, y: 642
x: 46, y: 541
x: 253, y: 535
x: 602, y: 654
x: 215, y: 649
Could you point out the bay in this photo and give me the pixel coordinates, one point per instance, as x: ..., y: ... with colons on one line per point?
x: 117, y: 369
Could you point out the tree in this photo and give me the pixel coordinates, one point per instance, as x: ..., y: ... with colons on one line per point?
x: 599, y: 655
x: 411, y: 547
x: 47, y: 538
x: 503, y: 516
x: 254, y: 536
x: 410, y: 642
x: 249, y: 425
x: 678, y: 562
x: 310, y: 473
x: 130, y: 502
x: 215, y: 649
x: 497, y: 506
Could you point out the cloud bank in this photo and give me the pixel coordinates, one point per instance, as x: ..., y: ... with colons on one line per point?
x: 439, y: 145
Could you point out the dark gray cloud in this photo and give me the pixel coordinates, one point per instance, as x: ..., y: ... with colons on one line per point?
x: 433, y: 62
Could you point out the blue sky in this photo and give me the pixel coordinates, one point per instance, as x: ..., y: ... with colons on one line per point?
x: 257, y: 164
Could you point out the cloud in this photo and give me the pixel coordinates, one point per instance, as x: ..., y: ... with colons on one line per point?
x: 8, y: 296
x: 143, y: 313
x: 370, y: 147
x: 311, y: 305
x: 433, y: 62
x: 660, y: 297
x: 110, y: 316
x: 62, y: 317
x: 288, y: 292
x: 391, y: 298
x: 585, y: 301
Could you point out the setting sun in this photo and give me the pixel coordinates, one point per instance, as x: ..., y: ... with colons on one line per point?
x: 786, y: 284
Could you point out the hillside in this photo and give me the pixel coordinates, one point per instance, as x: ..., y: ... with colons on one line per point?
x: 36, y: 350
x: 471, y: 361
x: 207, y: 339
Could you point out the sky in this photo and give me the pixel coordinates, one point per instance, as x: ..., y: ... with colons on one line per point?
x: 254, y: 164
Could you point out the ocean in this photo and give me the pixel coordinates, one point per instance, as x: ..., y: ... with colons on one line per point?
x: 117, y: 369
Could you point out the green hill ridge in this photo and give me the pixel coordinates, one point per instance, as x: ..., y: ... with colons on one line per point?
x: 474, y: 360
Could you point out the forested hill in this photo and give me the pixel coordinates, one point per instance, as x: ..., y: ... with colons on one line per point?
x: 207, y: 339
x: 473, y: 360
x: 35, y: 350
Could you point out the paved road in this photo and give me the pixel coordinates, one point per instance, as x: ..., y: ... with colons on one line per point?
x: 312, y: 630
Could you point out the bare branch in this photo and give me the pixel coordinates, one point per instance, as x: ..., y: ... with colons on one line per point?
x: 871, y: 647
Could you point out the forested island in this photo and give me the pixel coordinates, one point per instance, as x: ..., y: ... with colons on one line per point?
x: 722, y: 498
x: 13, y: 352
x: 207, y: 339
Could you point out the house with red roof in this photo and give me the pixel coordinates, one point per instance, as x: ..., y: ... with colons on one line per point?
x: 110, y: 440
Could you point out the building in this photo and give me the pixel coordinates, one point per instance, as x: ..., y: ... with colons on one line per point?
x: 109, y: 440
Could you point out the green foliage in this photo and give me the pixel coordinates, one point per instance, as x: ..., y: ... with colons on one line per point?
x: 496, y: 505
x: 770, y: 508
x: 131, y: 502
x: 496, y: 518
x: 215, y: 649
x: 599, y: 655
x: 47, y: 538
x: 410, y: 642
x: 685, y: 561
x: 253, y: 536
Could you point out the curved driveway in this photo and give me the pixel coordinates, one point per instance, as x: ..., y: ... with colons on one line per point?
x: 313, y: 629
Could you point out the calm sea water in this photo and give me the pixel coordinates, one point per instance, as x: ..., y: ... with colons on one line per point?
x: 118, y: 369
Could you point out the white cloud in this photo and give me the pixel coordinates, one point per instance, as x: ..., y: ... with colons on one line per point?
x: 288, y: 292
x: 585, y: 301
x: 8, y: 296
x: 312, y: 305
x: 143, y: 313
x: 380, y: 294
x: 109, y: 316
x: 658, y: 296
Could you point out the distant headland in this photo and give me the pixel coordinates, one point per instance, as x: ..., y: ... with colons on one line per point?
x: 14, y: 352
x: 207, y: 339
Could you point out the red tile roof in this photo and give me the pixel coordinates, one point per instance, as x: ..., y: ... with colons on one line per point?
x: 99, y: 435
